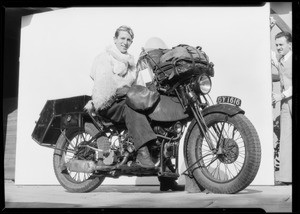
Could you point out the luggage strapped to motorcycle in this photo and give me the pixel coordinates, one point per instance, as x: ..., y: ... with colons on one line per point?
x: 169, y: 69
x: 147, y: 55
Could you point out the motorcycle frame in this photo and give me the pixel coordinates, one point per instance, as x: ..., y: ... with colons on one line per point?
x: 61, y: 119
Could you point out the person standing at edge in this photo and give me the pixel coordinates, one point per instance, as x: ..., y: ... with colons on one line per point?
x: 113, y: 72
x: 283, y: 41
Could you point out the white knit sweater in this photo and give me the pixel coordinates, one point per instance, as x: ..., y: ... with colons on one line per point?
x: 111, y: 70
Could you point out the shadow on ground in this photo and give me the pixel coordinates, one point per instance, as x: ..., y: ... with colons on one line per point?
x: 155, y: 190
x: 125, y: 189
x: 249, y: 191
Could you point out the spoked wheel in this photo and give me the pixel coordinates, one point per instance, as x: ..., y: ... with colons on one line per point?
x: 233, y: 162
x: 70, y: 146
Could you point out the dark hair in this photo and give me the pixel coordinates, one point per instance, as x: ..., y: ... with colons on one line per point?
x: 124, y: 28
x: 285, y: 34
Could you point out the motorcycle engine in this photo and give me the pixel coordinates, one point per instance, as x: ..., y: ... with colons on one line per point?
x: 113, y: 147
x: 103, y: 144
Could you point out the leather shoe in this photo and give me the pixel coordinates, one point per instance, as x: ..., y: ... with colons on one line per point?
x: 143, y: 158
x: 170, y: 184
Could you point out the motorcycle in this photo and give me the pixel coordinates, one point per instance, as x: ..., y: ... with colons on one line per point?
x: 222, y: 150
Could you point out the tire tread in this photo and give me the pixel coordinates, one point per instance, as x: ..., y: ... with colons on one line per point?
x: 246, y: 176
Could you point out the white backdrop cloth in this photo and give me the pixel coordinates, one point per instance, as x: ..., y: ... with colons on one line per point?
x: 58, y: 48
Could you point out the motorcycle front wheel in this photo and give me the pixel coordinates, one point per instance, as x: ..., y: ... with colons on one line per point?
x: 233, y: 166
x: 68, y: 147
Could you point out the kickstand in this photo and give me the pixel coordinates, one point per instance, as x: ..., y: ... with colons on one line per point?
x: 188, y: 173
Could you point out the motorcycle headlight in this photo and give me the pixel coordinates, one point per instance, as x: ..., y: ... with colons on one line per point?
x: 202, y: 84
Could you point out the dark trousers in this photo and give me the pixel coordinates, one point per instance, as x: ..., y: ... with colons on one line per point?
x: 137, y: 124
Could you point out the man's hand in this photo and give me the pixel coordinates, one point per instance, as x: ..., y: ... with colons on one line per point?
x: 121, y: 92
x: 276, y: 98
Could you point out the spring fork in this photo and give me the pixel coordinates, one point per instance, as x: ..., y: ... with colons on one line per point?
x: 200, y: 120
x: 201, y: 125
x: 220, y: 140
x: 208, y: 140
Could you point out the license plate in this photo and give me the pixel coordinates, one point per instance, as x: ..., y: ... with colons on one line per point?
x: 229, y: 100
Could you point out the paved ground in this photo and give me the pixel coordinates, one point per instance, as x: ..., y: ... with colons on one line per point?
x: 269, y: 198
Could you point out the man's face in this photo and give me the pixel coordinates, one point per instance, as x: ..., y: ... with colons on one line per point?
x: 282, y: 46
x: 123, y: 41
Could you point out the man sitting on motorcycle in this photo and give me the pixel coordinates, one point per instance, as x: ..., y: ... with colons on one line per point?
x: 113, y: 73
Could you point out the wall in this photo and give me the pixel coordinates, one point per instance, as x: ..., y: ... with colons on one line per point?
x: 58, y: 48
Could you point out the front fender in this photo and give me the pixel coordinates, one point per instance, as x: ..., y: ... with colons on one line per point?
x: 227, y: 109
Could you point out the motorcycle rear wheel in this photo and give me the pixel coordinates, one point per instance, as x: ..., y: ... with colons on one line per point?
x: 74, y: 181
x: 234, y: 167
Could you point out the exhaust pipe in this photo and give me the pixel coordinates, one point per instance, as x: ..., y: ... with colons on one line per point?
x: 81, y: 166
x: 85, y: 166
